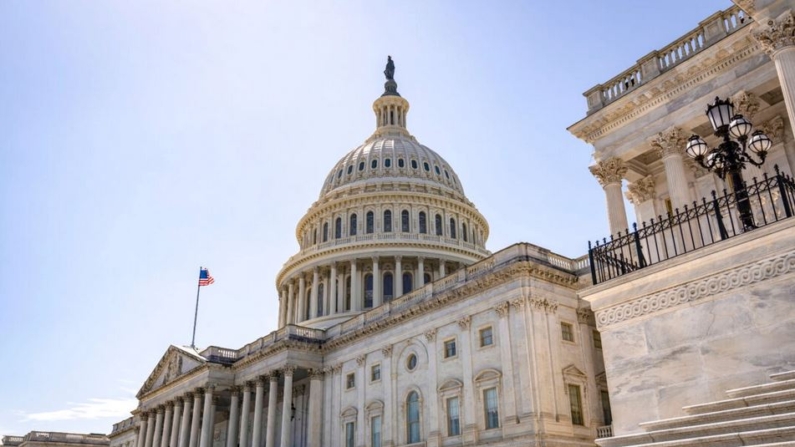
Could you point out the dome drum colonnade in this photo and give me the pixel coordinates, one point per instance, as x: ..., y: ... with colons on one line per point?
x: 392, y: 216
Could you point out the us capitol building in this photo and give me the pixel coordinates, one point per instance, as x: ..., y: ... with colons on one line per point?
x: 398, y: 328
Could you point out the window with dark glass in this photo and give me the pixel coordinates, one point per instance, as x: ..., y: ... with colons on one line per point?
x: 606, y: 412
x: 408, y: 282
x: 308, y: 302
x: 320, y: 290
x: 370, y: 222
x: 449, y: 348
x: 389, y: 286
x: 413, y: 418
x: 414, y: 164
x: 361, y: 166
x: 352, y: 227
x: 350, y: 435
x: 368, y: 291
x: 314, y: 237
x: 375, y: 431
x: 597, y: 339
x: 401, y: 163
x: 375, y: 372
x: 404, y: 221
x: 453, y: 419
x: 486, y: 337
x: 350, y: 380
x: 426, y: 278
x: 387, y: 221
x: 446, y: 174
x: 426, y: 166
x: 339, y: 173
x: 452, y: 228
x: 325, y: 231
x: 388, y: 163
x: 436, y: 169
x: 411, y: 362
x: 374, y: 164
x: 491, y: 408
x: 576, y: 405
x: 438, y: 224
x: 338, y: 228
x: 350, y: 169
x: 348, y: 293
x: 567, y: 332
x: 423, y: 223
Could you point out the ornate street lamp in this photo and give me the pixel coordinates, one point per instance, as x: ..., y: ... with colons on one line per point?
x: 731, y: 155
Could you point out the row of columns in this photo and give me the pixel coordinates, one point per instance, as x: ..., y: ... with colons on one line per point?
x: 293, y: 301
x: 189, y: 420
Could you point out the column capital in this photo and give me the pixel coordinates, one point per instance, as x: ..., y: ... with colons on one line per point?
x: 745, y: 104
x: 464, y: 322
x: 430, y: 335
x: 609, y: 170
x: 386, y: 351
x: 273, y: 376
x: 260, y: 380
x: 517, y: 303
x: 669, y: 142
x: 774, y: 128
x: 316, y: 269
x: 143, y: 415
x: 209, y: 388
x: 188, y: 395
x: 287, y: 370
x: 216, y: 400
x: 169, y: 405
x: 398, y: 258
x: 337, y: 368
x: 502, y: 309
x: 235, y: 389
x: 361, y: 359
x: 641, y: 190
x: 420, y: 258
x: 375, y: 259
x: 316, y: 374
x: 161, y: 409
x: 247, y: 386
x: 584, y: 315
x: 776, y: 34
x: 198, y: 393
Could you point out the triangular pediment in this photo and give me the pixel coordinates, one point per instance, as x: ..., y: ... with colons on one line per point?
x: 176, y: 362
x: 573, y: 371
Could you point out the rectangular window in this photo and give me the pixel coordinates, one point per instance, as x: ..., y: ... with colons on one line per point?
x: 375, y: 373
x: 350, y: 435
x: 375, y: 431
x: 350, y: 380
x: 597, y: 340
x: 453, y: 421
x: 576, y: 405
x: 606, y: 412
x: 567, y: 332
x: 486, y: 337
x: 490, y: 408
x: 449, y: 349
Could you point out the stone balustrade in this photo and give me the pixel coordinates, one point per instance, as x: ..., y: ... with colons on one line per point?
x: 58, y: 437
x: 123, y: 425
x: 709, y: 31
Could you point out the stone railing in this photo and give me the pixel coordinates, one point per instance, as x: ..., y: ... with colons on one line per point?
x: 291, y: 331
x: 709, y: 31
x: 13, y: 440
x: 72, y: 438
x: 605, y: 431
x: 123, y: 425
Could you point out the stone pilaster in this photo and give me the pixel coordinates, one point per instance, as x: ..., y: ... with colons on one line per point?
x: 641, y: 193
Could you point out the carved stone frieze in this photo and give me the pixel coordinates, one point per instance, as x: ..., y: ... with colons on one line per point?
x: 610, y: 170
x: 776, y: 34
x: 545, y: 304
x: 697, y: 290
x: 746, y: 104
x: 669, y: 142
x: 641, y: 190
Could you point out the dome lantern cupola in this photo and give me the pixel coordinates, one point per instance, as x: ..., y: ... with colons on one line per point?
x: 390, y: 109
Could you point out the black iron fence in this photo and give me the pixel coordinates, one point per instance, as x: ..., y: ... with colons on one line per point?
x: 772, y: 198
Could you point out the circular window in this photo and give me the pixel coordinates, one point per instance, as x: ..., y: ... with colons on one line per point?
x: 350, y: 169
x: 388, y: 163
x: 401, y: 163
x: 411, y: 362
x: 361, y: 166
x: 426, y: 166
x: 414, y: 164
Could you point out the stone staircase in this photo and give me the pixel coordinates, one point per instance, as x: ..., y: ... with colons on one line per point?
x: 761, y: 415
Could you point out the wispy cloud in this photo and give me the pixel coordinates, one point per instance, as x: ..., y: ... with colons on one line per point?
x: 93, y: 409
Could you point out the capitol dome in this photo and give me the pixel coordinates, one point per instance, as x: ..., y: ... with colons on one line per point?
x: 391, y: 217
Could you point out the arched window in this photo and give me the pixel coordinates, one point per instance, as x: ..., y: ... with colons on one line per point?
x: 389, y: 287
x: 464, y: 231
x: 408, y: 282
x: 361, y: 166
x: 438, y: 225
x: 414, y: 164
x: 404, y: 221
x: 401, y: 163
x: 452, y: 228
x: 350, y: 169
x: 325, y: 232
x: 423, y: 223
x: 436, y: 168
x: 320, y: 290
x: 338, y: 228
x: 387, y: 221
x: 370, y: 222
x: 427, y: 278
x: 413, y: 418
x: 426, y: 166
x: 374, y: 164
x: 388, y: 163
x: 352, y: 227
x: 368, y: 291
x: 348, y: 293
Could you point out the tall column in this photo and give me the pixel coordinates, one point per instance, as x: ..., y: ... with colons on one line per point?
x: 398, y: 281
x: 323, y: 306
x: 184, y: 426
x: 469, y: 428
x: 244, y: 412
x: 273, y: 391
x: 207, y: 416
x: 197, y: 412
x: 211, y: 420
x: 387, y: 432
x: 641, y: 193
x: 433, y: 419
x: 356, y: 303
x: 287, y: 404
x: 150, y: 429
x: 142, y: 430
x: 256, y: 436
x: 313, y: 299
x: 420, y: 272
x: 282, y: 307
x: 175, y: 427
x: 315, y: 417
x: 341, y: 291
x: 442, y: 269
x: 776, y: 39
x: 158, y: 428
x: 670, y: 145
x: 332, y: 290
x: 167, y: 424
x: 301, y: 299
x: 506, y: 359
x: 609, y: 173
x: 234, y: 407
x: 377, y: 297
x: 290, y: 304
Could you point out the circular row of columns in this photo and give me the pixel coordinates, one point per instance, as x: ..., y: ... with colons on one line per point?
x: 177, y: 424
x: 775, y: 38
x: 293, y: 307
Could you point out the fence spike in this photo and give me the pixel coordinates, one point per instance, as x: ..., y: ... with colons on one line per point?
x: 714, y: 195
x: 775, y: 166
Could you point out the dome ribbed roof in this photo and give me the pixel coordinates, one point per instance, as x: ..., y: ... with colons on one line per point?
x: 391, y: 157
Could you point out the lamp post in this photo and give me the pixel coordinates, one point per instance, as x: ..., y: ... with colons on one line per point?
x: 731, y: 155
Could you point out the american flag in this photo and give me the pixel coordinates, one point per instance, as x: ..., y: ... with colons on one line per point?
x: 204, y: 277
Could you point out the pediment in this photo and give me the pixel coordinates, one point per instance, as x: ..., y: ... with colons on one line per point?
x: 488, y: 374
x: 452, y: 384
x: 176, y: 362
x: 573, y: 371
x: 601, y: 379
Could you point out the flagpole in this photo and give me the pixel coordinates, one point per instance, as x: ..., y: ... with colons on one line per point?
x: 196, y: 313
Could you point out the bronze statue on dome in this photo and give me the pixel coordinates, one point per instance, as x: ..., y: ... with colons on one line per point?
x: 389, y: 72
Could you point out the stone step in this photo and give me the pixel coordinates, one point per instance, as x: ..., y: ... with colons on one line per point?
x: 740, y: 402
x: 786, y: 375
x: 760, y: 389
x: 773, y: 437
x: 742, y: 429
x: 733, y: 414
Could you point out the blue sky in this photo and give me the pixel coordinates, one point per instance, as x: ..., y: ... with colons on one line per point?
x: 139, y: 140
